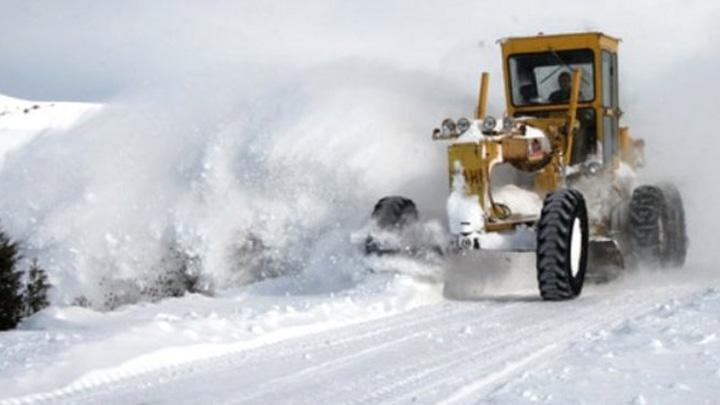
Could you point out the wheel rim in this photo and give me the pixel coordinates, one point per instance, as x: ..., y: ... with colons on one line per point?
x: 575, y: 247
x: 661, y: 235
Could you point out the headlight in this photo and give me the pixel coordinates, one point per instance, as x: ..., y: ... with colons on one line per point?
x: 592, y: 168
x: 448, y: 127
x: 489, y: 124
x: 463, y: 124
x: 508, y: 123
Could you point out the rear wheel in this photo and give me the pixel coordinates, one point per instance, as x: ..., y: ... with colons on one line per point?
x: 657, y: 226
x: 562, y: 245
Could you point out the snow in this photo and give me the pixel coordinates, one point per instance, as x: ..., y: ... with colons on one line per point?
x: 390, y: 339
x: 253, y: 139
x: 162, y: 177
x: 21, y: 121
x: 91, y: 349
x: 520, y: 201
x: 473, y: 133
x: 464, y: 212
x: 667, y: 354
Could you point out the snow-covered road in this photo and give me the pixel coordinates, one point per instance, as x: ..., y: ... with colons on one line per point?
x: 618, y: 343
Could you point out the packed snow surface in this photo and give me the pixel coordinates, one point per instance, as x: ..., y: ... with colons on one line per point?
x: 390, y: 340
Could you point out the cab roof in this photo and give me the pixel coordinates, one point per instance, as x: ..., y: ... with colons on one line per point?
x: 543, y: 42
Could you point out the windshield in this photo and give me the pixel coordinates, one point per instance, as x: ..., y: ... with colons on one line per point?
x: 545, y: 78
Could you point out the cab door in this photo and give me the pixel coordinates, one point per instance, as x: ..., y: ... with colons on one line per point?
x: 610, y: 111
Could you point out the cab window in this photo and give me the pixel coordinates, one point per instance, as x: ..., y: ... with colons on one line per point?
x: 543, y: 78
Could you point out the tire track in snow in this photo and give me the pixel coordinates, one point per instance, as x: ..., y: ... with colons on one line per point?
x: 393, y: 359
x: 435, y: 366
x: 388, y: 343
x: 285, y: 348
x: 457, y: 368
x: 509, y: 361
x: 370, y: 332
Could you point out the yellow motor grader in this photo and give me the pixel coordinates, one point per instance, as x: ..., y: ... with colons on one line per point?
x: 561, y: 136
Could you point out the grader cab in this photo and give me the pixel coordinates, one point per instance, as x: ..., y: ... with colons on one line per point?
x: 538, y: 84
x: 562, y: 136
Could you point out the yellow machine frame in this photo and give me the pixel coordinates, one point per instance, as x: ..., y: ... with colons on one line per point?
x: 559, y: 124
x: 595, y: 41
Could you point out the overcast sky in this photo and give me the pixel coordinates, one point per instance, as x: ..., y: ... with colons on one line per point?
x: 91, y: 50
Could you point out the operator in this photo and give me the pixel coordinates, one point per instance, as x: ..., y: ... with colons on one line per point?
x: 562, y: 95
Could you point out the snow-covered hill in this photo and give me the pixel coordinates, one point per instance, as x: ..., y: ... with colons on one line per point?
x: 22, y: 120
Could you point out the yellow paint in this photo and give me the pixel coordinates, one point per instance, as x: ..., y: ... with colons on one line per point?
x: 595, y: 41
x: 482, y: 97
x: 572, y: 113
x: 477, y: 159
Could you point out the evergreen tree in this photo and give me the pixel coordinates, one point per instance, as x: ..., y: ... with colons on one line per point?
x: 36, y: 290
x: 11, y: 300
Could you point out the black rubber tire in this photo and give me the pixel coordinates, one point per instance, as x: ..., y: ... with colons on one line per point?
x: 554, y: 240
x: 394, y: 212
x: 657, y: 226
x: 391, y: 213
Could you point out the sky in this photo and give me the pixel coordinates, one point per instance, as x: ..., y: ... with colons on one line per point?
x: 90, y: 50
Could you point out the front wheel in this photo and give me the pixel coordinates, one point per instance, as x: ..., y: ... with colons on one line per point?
x: 391, y: 215
x: 562, y: 245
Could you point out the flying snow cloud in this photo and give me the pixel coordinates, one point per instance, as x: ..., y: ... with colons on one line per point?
x: 234, y: 128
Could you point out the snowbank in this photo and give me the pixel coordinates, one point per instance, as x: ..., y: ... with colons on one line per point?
x: 89, y: 349
x: 21, y: 121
